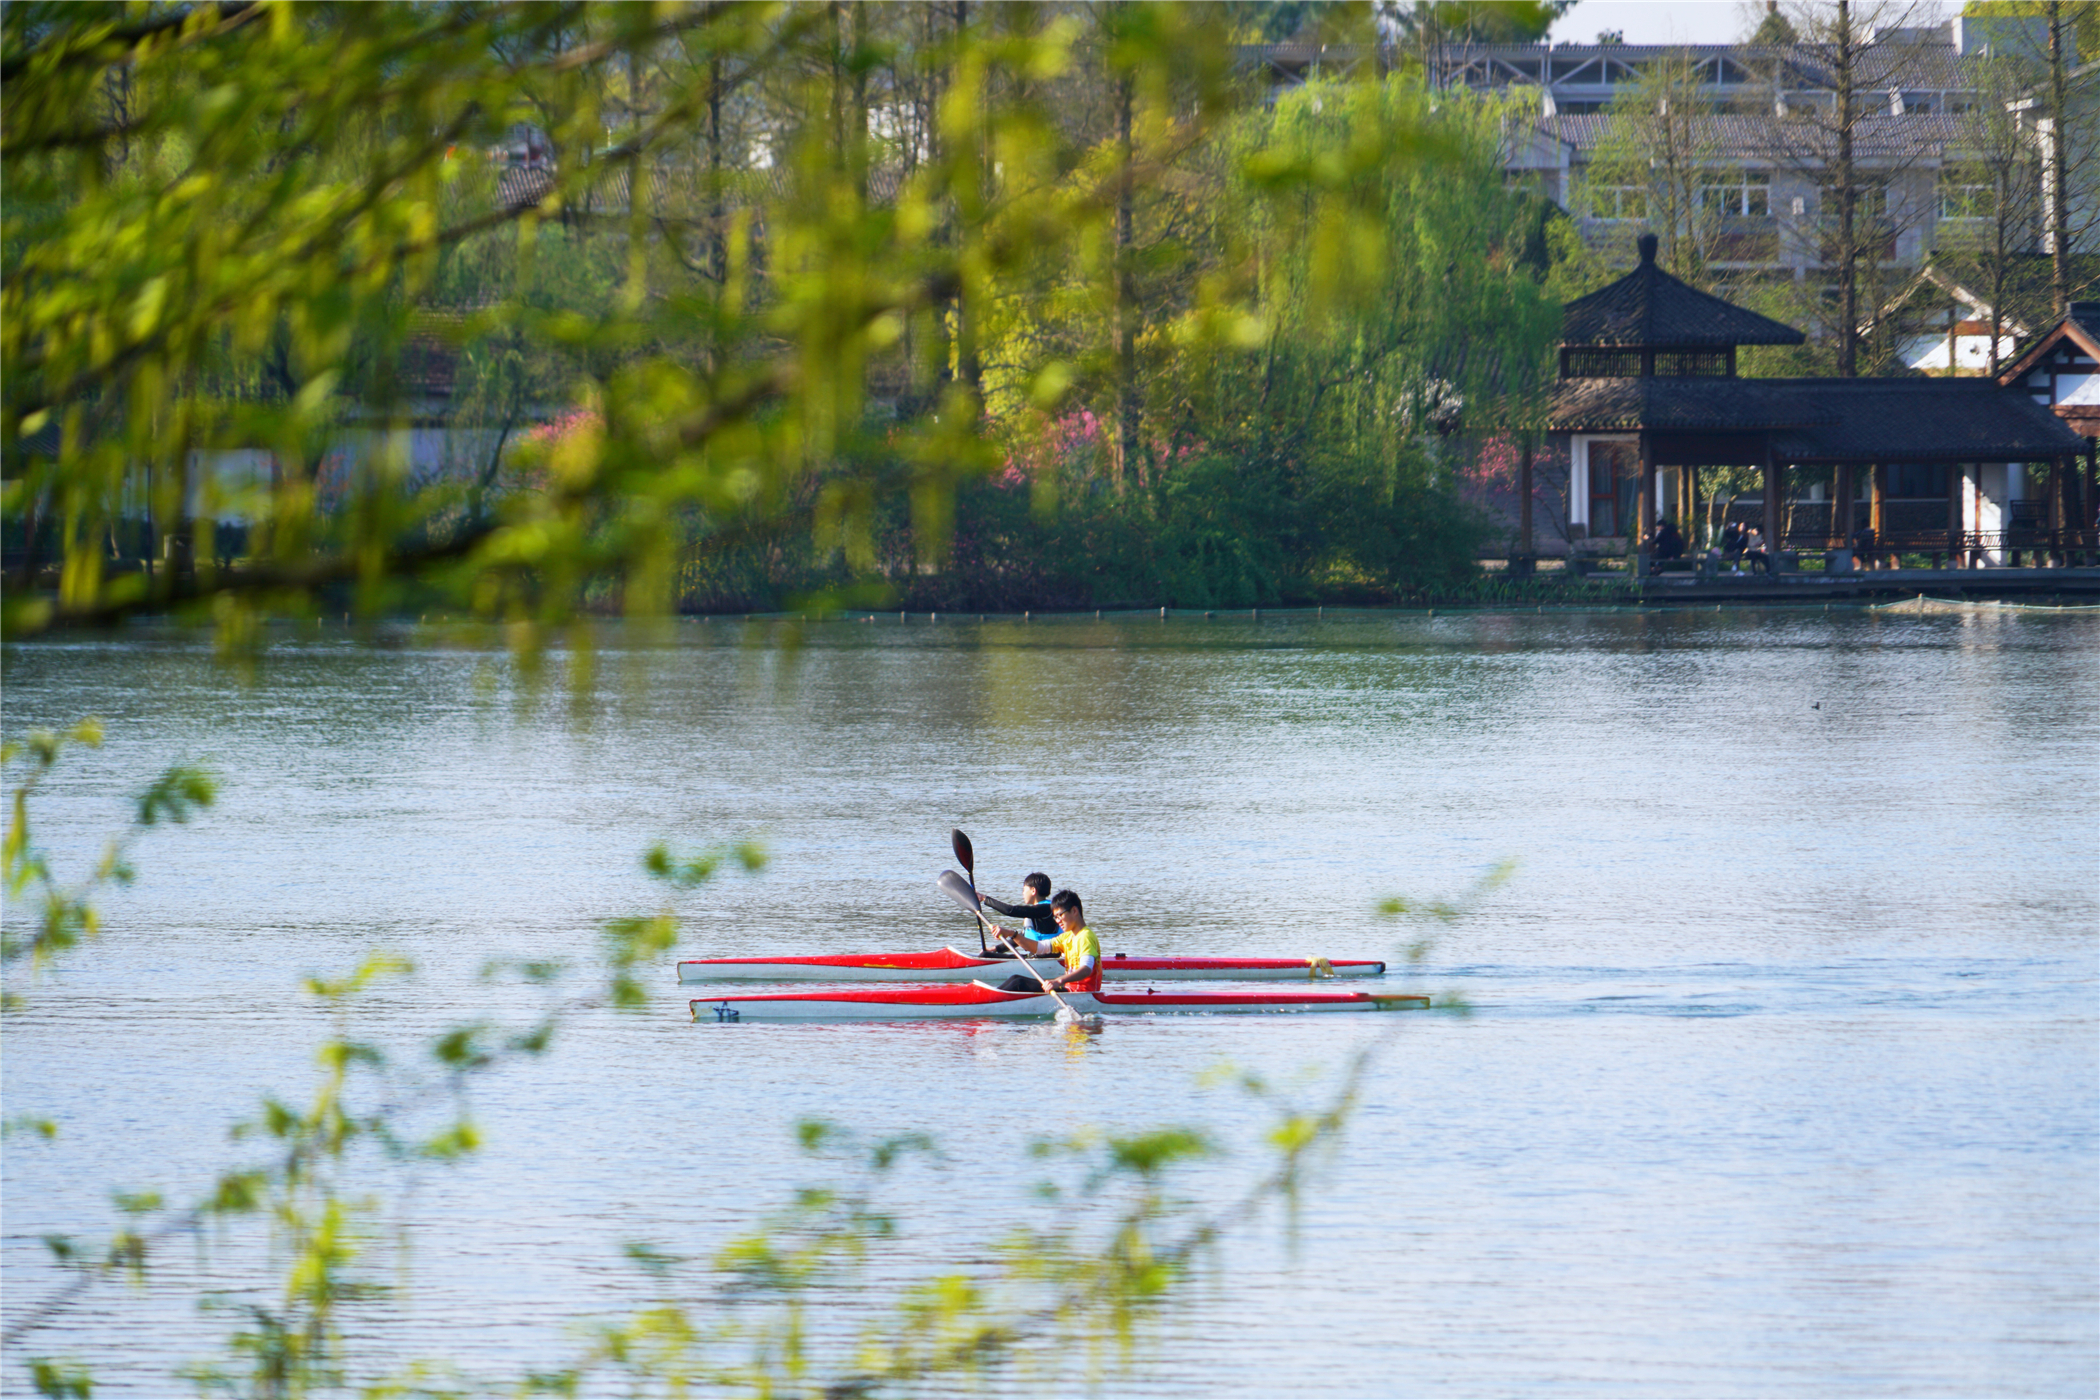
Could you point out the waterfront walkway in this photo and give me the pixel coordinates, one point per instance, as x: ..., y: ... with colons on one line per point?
x: 2080, y: 582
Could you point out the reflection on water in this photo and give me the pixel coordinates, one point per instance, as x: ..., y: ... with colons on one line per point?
x: 1779, y: 1078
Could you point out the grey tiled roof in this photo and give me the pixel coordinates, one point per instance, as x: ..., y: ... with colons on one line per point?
x: 1922, y: 420
x: 1763, y: 139
x: 1819, y: 420
x: 1650, y: 307
x: 518, y: 186
x: 1681, y: 405
x: 1913, y: 67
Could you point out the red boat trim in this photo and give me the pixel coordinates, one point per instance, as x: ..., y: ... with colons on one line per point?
x: 947, y: 958
x: 1128, y: 964
x: 1229, y: 998
x: 938, y: 994
x: 970, y: 994
x: 943, y: 959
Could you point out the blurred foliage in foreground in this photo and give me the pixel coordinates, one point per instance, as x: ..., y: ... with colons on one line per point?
x: 529, y: 309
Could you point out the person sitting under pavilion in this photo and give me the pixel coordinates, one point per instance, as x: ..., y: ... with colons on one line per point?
x: 1667, y: 544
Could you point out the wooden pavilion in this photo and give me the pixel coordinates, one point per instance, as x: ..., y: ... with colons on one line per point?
x: 1648, y: 397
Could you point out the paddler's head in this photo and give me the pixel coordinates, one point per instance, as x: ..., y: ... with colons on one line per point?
x: 1070, y: 913
x: 1036, y: 888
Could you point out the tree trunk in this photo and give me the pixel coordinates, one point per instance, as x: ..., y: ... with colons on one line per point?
x: 1125, y: 300
x: 967, y: 368
x: 2059, y: 194
x: 2003, y: 187
x: 718, y: 211
x: 1848, y: 200
x: 1525, y: 546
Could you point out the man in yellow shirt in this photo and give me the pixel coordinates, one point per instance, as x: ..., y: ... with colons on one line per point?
x: 1076, y: 944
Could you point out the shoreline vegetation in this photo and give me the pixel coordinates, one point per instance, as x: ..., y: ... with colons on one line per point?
x: 729, y: 307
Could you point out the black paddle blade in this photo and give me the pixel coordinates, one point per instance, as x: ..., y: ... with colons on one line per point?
x: 958, y: 889
x: 963, y: 852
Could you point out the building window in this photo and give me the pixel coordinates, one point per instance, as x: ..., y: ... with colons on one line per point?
x: 1615, y: 475
x: 1600, y: 364
x: 1870, y: 201
x: 1966, y: 194
x: 1743, y: 194
x: 1692, y: 364
x: 1618, y: 202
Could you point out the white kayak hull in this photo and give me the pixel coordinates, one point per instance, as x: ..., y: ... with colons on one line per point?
x: 960, y: 965
x: 941, y: 1001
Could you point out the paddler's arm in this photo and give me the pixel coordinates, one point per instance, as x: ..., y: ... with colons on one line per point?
x: 1085, y: 969
x: 1037, y: 910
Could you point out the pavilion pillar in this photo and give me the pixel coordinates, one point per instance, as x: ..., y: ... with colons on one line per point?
x: 1775, y: 476
x: 1957, y: 484
x: 1645, y: 512
x: 1877, y: 503
x: 2091, y: 504
x: 1688, y: 508
x: 1841, y: 507
x: 2056, y: 510
x: 1528, y: 552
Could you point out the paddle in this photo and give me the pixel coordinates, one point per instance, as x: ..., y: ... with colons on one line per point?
x: 951, y: 885
x: 968, y: 857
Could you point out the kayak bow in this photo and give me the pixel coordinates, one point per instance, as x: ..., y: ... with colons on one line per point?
x: 978, y: 999
x: 958, y: 965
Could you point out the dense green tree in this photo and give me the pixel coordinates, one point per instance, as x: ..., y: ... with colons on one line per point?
x: 786, y: 274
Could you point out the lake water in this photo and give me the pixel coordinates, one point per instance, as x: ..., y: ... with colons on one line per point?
x: 1781, y: 1075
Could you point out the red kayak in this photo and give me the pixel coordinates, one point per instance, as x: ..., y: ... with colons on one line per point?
x: 958, y: 965
x: 939, y: 1002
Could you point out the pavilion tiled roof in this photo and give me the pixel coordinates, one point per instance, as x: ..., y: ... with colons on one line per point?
x: 1828, y: 420
x: 1682, y: 405
x: 1650, y: 307
x: 1920, y: 420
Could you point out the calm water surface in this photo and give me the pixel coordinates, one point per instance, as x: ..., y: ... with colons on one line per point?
x: 1780, y: 1079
